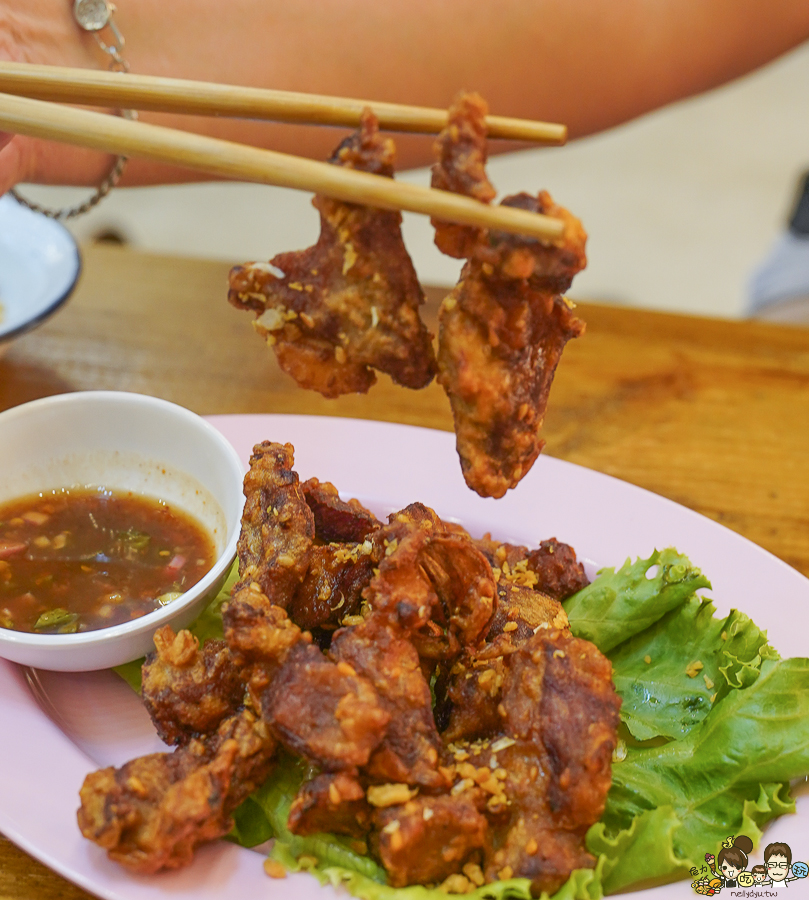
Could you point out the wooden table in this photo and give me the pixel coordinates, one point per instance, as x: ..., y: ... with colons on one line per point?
x: 712, y: 414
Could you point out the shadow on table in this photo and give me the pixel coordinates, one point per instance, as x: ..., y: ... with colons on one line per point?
x: 21, y: 382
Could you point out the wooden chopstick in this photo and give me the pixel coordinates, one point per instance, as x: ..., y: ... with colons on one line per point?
x: 128, y: 91
x: 112, y: 134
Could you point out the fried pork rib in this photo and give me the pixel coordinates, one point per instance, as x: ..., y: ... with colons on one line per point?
x: 324, y: 711
x: 332, y: 802
x: 278, y: 528
x: 153, y: 812
x: 552, y: 569
x: 186, y: 690
x: 504, y: 326
x: 451, y: 720
x: 333, y: 586
x: 461, y: 168
x: 433, y: 583
x: 336, y: 520
x: 428, y: 839
x: 561, y: 710
x: 411, y: 749
x: 349, y: 304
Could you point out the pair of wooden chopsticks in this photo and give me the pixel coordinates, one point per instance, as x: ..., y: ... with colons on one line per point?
x: 27, y: 107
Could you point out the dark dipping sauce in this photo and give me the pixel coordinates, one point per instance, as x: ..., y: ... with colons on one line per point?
x: 80, y: 560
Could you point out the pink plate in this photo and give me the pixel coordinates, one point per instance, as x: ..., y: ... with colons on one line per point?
x: 57, y: 727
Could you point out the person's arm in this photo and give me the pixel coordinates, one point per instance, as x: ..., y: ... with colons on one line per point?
x: 588, y: 64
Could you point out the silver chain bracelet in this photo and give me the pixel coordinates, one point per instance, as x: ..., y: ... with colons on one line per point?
x: 94, y: 16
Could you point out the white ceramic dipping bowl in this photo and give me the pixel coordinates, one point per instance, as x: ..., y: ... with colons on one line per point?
x: 125, y: 442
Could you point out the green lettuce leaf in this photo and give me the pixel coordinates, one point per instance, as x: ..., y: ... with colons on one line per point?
x: 640, y: 855
x: 367, y: 889
x: 618, y: 605
x: 251, y: 826
x: 728, y: 775
x: 670, y: 674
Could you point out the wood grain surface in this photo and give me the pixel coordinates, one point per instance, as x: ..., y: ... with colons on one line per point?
x: 712, y: 414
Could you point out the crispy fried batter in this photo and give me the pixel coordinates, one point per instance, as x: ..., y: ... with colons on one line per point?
x: 527, y: 609
x: 187, y: 690
x: 575, y: 719
x: 470, y: 700
x: 154, y: 811
x: 504, y: 326
x: 429, y: 838
x: 552, y: 568
x: 464, y: 582
x: 349, y: 304
x: 470, y: 697
x: 461, y: 168
x: 559, y: 573
x: 549, y: 268
x: 278, y: 527
x: 560, y: 707
x: 332, y: 588
x: 400, y: 590
x: 333, y: 803
x: 256, y: 631
x: 433, y: 582
x: 500, y: 341
x: 315, y: 707
x: 342, y: 561
x: 324, y: 711
x: 410, y: 751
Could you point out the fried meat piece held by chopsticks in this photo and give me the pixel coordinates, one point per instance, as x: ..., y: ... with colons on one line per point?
x: 504, y: 326
x: 349, y: 304
x: 461, y: 168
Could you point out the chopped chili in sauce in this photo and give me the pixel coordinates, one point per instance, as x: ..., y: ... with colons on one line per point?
x: 79, y: 560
